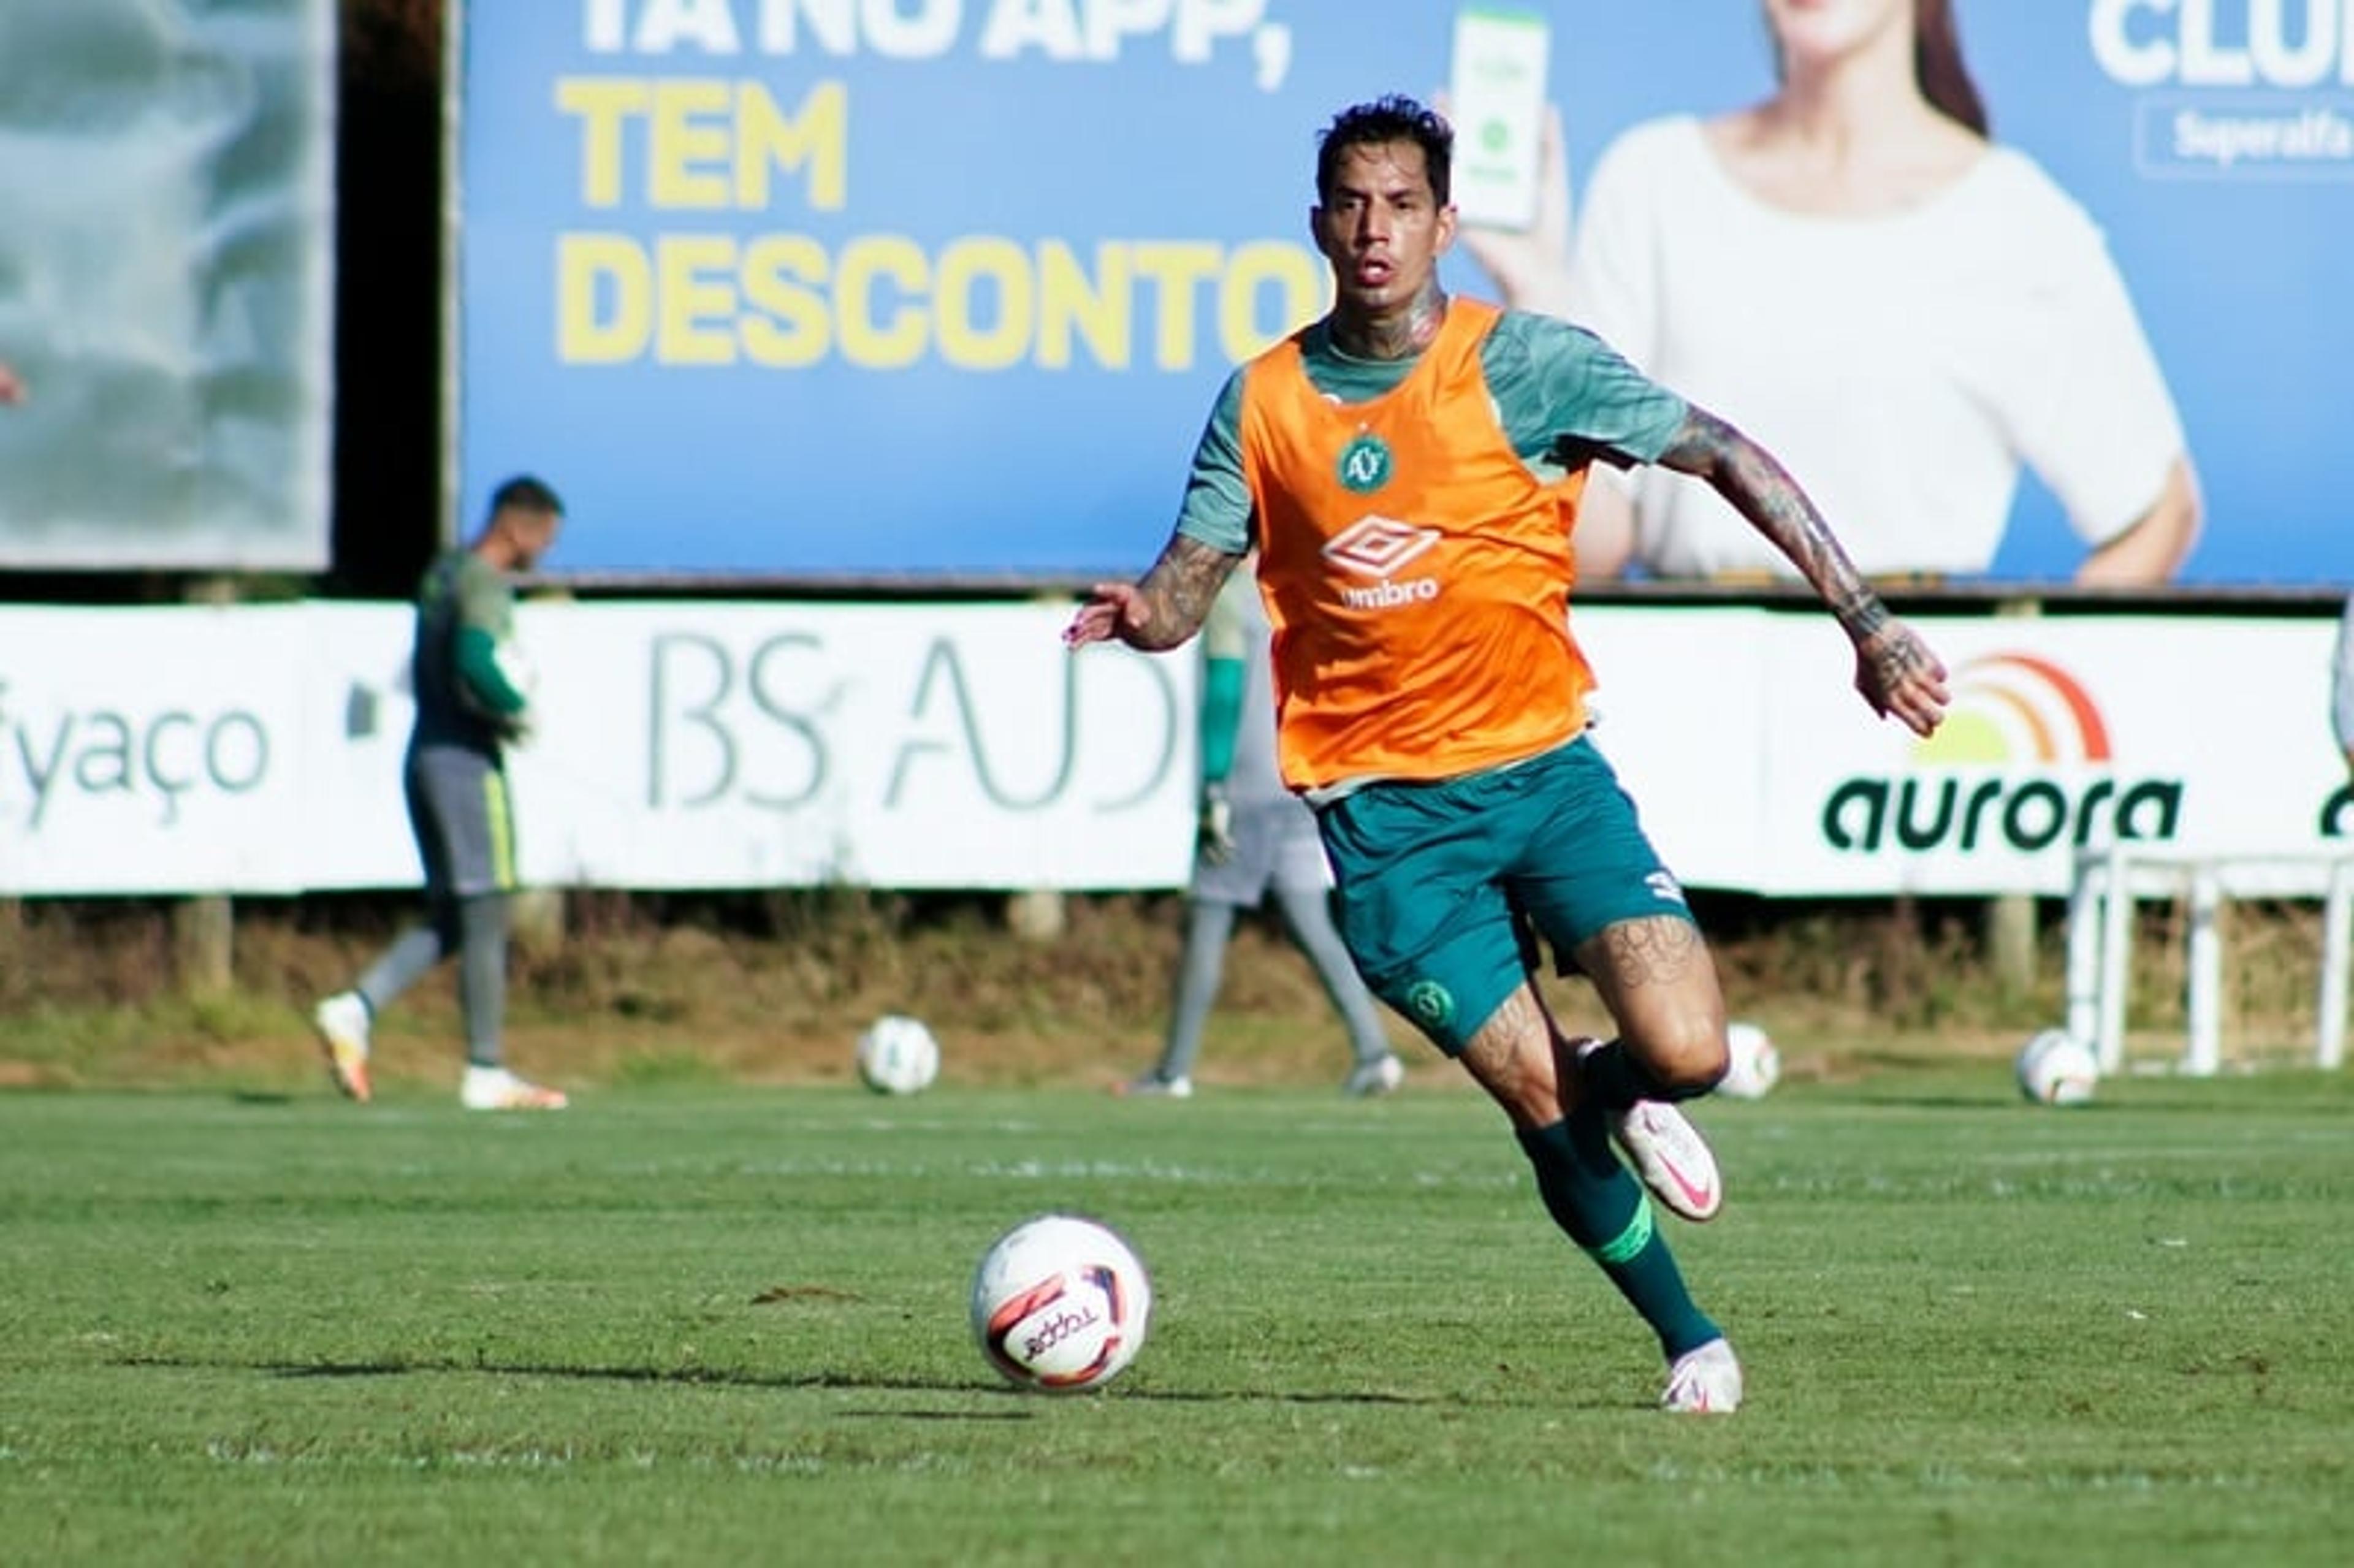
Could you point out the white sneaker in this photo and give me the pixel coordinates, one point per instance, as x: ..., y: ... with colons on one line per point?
x: 342, y: 1022
x: 1704, y: 1381
x: 495, y: 1088
x: 1672, y: 1157
x: 1371, y: 1079
x: 1153, y: 1086
x: 1669, y: 1153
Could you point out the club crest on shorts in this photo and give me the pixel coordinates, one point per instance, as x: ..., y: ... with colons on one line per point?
x: 1365, y: 463
x: 1432, y: 1004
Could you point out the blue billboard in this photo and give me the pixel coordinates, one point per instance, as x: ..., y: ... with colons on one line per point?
x: 945, y: 288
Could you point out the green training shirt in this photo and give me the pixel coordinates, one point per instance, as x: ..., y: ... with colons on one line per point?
x: 465, y: 609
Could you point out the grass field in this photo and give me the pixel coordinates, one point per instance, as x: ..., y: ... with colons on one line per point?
x: 702, y: 1325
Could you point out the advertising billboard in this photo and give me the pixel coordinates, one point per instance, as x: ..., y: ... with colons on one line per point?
x: 702, y: 744
x: 947, y: 287
x: 167, y: 283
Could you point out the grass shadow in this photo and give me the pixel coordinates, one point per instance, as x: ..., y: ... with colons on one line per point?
x: 825, y: 1380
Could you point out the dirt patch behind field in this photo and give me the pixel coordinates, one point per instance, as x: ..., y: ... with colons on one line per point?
x: 775, y: 987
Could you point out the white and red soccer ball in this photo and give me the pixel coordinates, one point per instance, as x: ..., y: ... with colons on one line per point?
x: 1060, y: 1304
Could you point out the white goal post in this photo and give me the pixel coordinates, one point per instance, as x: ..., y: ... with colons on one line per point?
x: 2110, y: 882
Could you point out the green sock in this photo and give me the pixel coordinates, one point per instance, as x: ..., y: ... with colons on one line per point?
x: 1602, y: 1207
x: 1616, y: 1080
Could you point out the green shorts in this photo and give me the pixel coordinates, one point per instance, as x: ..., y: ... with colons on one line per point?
x: 1438, y: 883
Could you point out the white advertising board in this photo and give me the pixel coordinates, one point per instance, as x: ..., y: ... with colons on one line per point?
x: 686, y: 745
x: 680, y: 745
x: 1757, y: 767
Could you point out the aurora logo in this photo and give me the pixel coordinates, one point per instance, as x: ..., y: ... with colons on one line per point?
x: 2023, y: 760
x: 2336, y: 813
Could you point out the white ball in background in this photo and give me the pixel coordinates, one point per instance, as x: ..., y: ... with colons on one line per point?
x: 2056, y: 1068
x: 897, y: 1055
x: 1754, y: 1064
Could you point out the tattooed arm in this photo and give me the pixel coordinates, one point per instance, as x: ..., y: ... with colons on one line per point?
x: 1164, y: 609
x: 1895, y: 669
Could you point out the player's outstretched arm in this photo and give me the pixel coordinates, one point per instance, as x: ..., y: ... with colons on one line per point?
x: 1164, y: 609
x: 1895, y: 670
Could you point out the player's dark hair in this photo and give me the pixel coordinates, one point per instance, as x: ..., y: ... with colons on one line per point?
x: 528, y: 493
x: 1938, y: 68
x: 1394, y: 118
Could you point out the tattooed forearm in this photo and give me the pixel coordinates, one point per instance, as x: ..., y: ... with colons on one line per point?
x: 1861, y: 611
x: 1177, y: 592
x: 1761, y: 490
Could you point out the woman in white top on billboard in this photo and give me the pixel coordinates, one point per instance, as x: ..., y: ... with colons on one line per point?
x: 1905, y: 311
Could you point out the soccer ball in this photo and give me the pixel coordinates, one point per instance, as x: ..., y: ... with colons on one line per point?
x: 897, y: 1055
x: 1755, y: 1065
x: 1059, y: 1304
x: 2056, y: 1068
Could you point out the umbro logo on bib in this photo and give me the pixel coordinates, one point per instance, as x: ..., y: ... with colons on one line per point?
x: 1377, y: 547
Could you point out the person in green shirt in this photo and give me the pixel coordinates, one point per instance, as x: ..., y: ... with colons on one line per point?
x: 473, y: 694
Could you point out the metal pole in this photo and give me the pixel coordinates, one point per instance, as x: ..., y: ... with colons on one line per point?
x: 2336, y: 937
x: 2205, y: 975
x: 2084, y: 1019
x: 2117, y: 963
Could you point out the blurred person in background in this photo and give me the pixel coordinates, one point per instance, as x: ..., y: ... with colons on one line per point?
x: 1256, y: 837
x: 12, y: 386
x: 1398, y: 466
x: 473, y: 696
x: 1904, y: 311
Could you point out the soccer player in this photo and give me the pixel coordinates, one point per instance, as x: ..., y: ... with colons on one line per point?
x: 471, y: 704
x: 1399, y: 466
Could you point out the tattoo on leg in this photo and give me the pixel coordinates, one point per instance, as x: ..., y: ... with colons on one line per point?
x: 1506, y: 1027
x: 1657, y: 951
x: 1498, y: 1055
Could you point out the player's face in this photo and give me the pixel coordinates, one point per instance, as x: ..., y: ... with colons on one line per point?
x: 1381, y: 227
x: 530, y: 533
x: 1815, y: 33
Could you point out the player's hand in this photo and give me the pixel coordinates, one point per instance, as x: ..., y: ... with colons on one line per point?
x: 1215, y: 834
x: 1113, y: 610
x: 1901, y: 678
x: 1531, y: 266
x: 519, y: 728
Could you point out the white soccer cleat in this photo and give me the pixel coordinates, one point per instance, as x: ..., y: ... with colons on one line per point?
x: 1374, y: 1078
x: 1153, y: 1086
x: 342, y: 1022
x: 1704, y: 1381
x: 1669, y: 1153
x: 495, y: 1088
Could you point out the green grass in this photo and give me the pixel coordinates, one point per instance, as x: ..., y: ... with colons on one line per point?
x: 684, y: 1323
